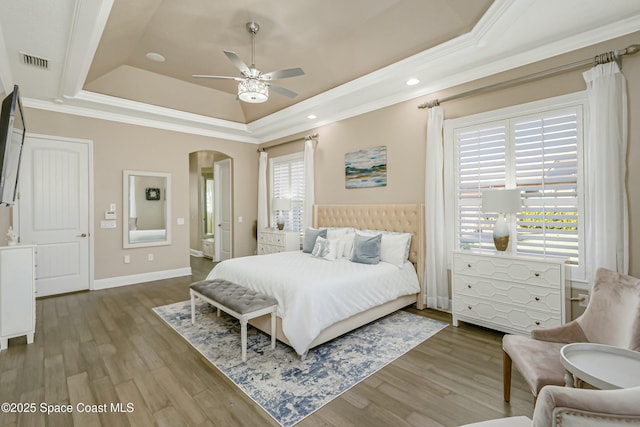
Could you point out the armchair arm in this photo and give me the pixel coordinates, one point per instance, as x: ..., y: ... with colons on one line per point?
x: 568, y: 333
x: 556, y: 403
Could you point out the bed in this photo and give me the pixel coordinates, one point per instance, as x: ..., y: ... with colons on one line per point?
x: 340, y: 295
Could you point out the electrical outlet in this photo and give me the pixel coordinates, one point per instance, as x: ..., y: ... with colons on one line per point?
x: 127, y: 259
x: 584, y: 300
x: 150, y: 257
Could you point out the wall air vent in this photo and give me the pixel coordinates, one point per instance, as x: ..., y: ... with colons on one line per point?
x: 35, y: 61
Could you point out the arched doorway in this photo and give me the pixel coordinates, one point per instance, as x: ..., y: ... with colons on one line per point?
x: 203, y: 211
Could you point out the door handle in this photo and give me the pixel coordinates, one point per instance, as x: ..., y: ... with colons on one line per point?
x: 82, y: 235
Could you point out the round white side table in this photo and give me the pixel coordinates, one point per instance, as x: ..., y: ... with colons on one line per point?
x: 603, y: 366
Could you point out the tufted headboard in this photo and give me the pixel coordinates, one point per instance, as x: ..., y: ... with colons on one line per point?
x: 407, y: 218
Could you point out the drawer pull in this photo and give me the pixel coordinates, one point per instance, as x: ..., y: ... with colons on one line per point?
x: 537, y: 298
x: 468, y: 265
x: 537, y: 274
x: 469, y: 307
x: 537, y: 322
x: 469, y: 286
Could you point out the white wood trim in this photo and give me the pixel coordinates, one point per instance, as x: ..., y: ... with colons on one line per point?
x: 114, y: 282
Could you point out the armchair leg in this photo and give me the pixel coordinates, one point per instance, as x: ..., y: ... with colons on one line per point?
x: 506, y: 376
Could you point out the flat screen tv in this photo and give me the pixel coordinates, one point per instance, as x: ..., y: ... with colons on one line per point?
x: 12, y: 132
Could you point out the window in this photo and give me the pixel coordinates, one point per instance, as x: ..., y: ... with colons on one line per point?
x: 287, y: 181
x: 538, y: 152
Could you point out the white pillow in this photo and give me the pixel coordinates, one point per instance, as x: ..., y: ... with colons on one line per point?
x: 345, y: 235
x: 326, y: 248
x: 394, y: 246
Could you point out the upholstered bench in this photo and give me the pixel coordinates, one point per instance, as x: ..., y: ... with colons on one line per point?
x: 237, y: 301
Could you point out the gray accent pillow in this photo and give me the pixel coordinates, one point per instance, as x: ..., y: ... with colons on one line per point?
x: 310, y: 236
x: 366, y: 249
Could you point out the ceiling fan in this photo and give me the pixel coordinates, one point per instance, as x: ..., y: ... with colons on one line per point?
x: 254, y: 85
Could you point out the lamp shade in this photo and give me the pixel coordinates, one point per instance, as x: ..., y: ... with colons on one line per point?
x: 280, y: 204
x: 253, y: 91
x: 502, y: 201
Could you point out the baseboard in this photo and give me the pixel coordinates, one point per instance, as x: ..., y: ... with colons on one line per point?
x: 114, y: 282
x: 196, y: 253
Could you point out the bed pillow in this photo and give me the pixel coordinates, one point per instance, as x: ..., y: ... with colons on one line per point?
x: 344, y: 235
x: 394, y: 247
x: 328, y: 249
x: 310, y: 236
x: 366, y: 249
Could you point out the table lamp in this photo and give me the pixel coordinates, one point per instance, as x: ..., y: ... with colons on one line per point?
x: 501, y: 202
x: 279, y: 205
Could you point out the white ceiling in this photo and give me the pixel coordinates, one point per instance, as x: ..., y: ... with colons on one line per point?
x: 356, y: 54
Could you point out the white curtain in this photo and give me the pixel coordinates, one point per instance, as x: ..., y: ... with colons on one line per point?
x: 263, y: 212
x: 435, y: 277
x: 309, y: 188
x: 605, y: 151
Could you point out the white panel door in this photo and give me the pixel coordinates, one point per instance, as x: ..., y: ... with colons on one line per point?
x: 54, y: 211
x: 222, y: 209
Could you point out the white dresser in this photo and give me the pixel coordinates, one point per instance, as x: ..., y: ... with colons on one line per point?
x: 271, y: 241
x: 509, y: 293
x: 207, y: 247
x: 17, y: 293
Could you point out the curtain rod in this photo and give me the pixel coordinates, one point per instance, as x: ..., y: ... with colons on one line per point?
x: 306, y: 138
x: 598, y: 59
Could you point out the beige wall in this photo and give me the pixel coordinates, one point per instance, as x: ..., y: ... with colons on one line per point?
x: 402, y: 128
x: 118, y: 146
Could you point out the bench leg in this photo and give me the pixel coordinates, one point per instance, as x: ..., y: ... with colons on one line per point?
x: 193, y: 308
x: 273, y: 329
x: 243, y: 337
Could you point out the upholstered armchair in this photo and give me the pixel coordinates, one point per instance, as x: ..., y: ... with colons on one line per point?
x: 574, y: 407
x: 612, y: 317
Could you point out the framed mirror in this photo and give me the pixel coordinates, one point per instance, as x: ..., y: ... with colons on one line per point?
x: 146, y: 206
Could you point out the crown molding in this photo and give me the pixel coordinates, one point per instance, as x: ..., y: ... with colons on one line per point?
x: 104, y: 107
x: 87, y: 26
x: 482, y: 52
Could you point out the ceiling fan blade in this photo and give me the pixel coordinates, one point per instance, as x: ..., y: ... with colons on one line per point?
x: 282, y: 74
x: 282, y: 91
x: 239, y: 63
x: 205, y: 76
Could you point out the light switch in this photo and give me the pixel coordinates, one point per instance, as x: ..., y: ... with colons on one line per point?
x: 108, y: 224
x: 180, y: 221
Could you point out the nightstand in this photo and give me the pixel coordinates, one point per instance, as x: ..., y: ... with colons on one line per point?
x: 509, y: 293
x: 272, y: 241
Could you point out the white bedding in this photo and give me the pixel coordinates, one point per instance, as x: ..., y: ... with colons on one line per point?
x: 314, y: 293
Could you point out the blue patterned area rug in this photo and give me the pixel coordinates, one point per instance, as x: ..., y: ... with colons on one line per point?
x: 288, y: 388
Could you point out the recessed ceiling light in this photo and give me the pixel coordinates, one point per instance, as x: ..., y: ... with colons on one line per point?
x: 312, y: 116
x: 155, y: 57
x: 412, y: 82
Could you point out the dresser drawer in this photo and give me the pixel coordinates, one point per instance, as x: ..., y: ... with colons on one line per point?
x: 540, y: 298
x: 272, y: 238
x: 537, y: 273
x: 504, y: 317
x: 264, y: 249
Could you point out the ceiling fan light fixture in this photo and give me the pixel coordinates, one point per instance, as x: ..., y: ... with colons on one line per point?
x: 253, y: 91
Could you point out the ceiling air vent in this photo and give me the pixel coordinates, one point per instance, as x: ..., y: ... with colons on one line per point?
x: 35, y: 61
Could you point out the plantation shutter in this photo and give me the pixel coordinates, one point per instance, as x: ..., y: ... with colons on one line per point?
x: 288, y: 182
x: 481, y: 162
x: 546, y: 169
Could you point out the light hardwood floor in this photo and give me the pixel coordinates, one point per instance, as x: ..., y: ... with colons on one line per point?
x: 108, y: 346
